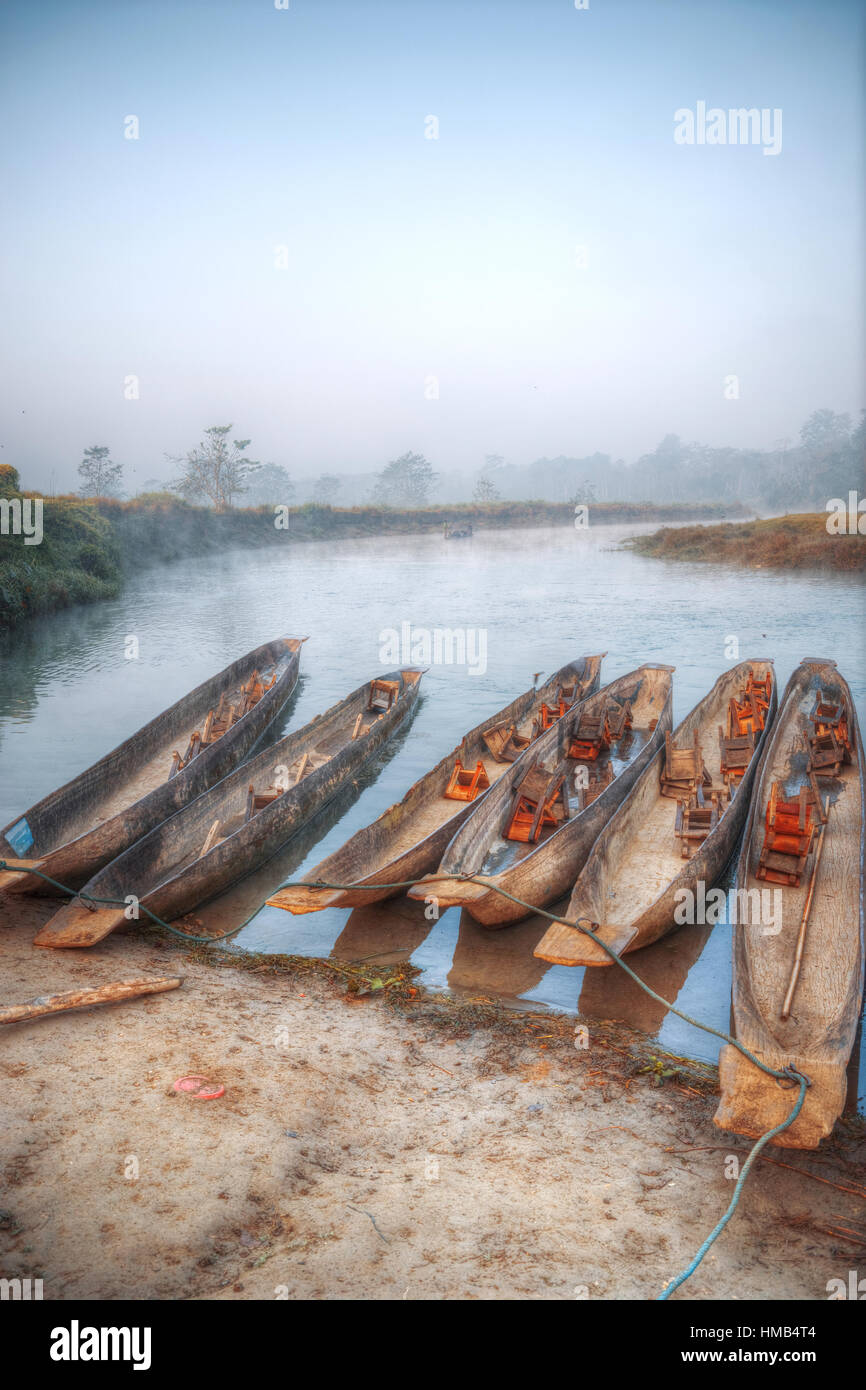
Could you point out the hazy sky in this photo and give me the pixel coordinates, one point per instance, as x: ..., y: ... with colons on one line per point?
x: 408, y: 258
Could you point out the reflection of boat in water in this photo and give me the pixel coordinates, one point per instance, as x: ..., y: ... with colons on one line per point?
x: 665, y: 966
x: 454, y: 532
x: 498, y: 962
x: 382, y: 931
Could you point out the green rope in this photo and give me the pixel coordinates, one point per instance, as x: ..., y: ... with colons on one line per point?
x: 786, y: 1073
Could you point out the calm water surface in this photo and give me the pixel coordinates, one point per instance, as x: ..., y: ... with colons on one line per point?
x: 68, y: 694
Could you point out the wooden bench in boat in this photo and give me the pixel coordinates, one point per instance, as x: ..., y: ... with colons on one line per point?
x: 684, y: 770
x: 695, y: 820
x: 829, y: 745
x: 257, y: 801
x: 595, y: 733
x: 505, y: 743
x: 382, y: 695
x: 539, y: 799
x: 762, y: 686
x: 550, y: 713
x: 747, y: 716
x: 465, y: 783
x: 788, y: 834
x: 601, y: 777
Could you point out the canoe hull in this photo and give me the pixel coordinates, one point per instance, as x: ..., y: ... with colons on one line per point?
x: 354, y: 861
x: 818, y: 1037
x: 157, y: 869
x: 548, y: 871
x: 601, y: 881
x: 75, y: 860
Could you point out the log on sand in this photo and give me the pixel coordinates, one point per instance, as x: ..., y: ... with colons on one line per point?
x: 113, y: 993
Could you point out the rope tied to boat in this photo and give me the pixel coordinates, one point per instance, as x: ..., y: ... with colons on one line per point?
x: 786, y: 1073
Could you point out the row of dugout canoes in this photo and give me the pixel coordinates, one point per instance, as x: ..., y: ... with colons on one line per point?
x: 573, y: 791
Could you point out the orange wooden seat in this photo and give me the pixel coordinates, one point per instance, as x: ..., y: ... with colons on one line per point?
x: 829, y: 743
x: 760, y: 685
x: 595, y: 733
x: 539, y: 799
x: 550, y: 714
x: 465, y: 783
x: 789, y: 828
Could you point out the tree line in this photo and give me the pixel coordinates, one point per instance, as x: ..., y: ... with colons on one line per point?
x: 826, y: 461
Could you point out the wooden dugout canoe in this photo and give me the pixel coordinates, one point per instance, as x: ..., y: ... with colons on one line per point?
x: 632, y: 882
x: 409, y: 839
x: 542, y: 872
x: 239, y: 824
x: 819, y: 1035
x: 82, y: 826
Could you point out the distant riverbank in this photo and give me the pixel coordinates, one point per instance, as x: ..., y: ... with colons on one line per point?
x: 87, y: 547
x: 784, y: 542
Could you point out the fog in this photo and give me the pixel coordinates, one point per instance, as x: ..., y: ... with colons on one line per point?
x: 462, y: 229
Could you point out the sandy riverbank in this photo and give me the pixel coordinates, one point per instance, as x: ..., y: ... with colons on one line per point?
x: 376, y: 1146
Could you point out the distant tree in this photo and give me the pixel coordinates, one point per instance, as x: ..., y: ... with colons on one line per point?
x: 584, y: 494
x: 405, y: 482
x: 327, y: 489
x: 492, y: 462
x: 270, y: 484
x: 824, y: 431
x: 486, y: 490
x: 99, y: 476
x: 10, y: 483
x: 216, y: 470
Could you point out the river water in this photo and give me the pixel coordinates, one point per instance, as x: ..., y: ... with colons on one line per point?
x: 529, y: 601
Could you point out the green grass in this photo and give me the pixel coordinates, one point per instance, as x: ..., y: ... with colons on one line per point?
x: 78, y: 561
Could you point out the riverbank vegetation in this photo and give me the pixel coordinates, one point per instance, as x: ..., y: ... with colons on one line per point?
x: 77, y: 559
x: 785, y: 542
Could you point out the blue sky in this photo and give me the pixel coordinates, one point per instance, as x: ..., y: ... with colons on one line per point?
x: 410, y: 258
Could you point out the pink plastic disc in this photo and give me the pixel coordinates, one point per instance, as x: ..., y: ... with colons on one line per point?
x: 199, y: 1087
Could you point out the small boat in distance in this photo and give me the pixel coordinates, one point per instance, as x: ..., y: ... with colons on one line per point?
x: 239, y: 824
x: 85, y: 824
x: 531, y: 834
x: 677, y: 828
x: 798, y: 961
x: 409, y: 839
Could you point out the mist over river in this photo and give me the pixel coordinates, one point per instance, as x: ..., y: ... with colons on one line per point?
x: 532, y: 599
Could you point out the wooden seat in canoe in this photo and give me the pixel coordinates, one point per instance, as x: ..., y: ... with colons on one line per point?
x: 788, y: 833
x: 747, y: 716
x: 465, y: 783
x: 695, y: 820
x: 383, y: 694
x: 829, y: 743
x: 684, y: 770
x: 550, y: 713
x: 760, y: 686
x: 539, y: 799
x: 601, y: 777
x: 257, y: 801
x: 505, y: 743
x: 595, y: 733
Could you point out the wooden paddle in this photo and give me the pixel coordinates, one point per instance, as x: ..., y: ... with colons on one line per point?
x: 807, y: 908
